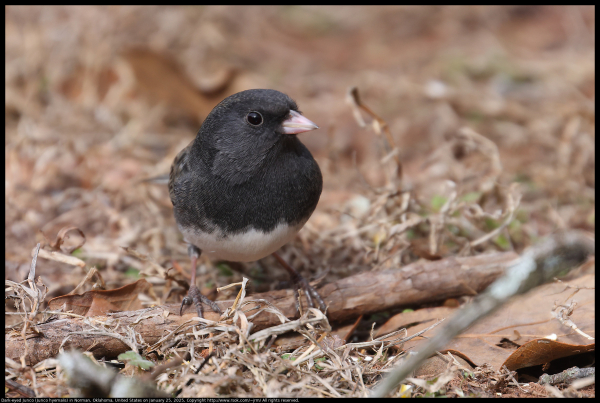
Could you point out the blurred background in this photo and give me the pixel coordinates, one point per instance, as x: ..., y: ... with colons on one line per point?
x: 481, y: 135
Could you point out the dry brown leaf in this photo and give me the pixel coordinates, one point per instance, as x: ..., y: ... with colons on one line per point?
x: 160, y: 79
x: 62, y: 236
x: 94, y: 303
x: 492, y: 340
x: 541, y: 351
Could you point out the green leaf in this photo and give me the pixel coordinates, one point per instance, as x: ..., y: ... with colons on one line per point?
x: 136, y: 360
x: 470, y: 197
x: 132, y: 272
x: 490, y: 223
x: 320, y: 359
x: 502, y: 242
x: 437, y: 202
x: 379, y: 317
x: 224, y: 269
x: 515, y: 229
x: 522, y: 178
x: 522, y: 216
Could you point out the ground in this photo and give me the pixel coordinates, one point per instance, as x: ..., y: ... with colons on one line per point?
x: 482, y: 122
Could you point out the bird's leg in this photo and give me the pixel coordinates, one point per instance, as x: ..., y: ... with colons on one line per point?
x: 194, y: 294
x: 299, y: 281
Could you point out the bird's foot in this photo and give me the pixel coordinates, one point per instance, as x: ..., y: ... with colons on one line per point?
x: 196, y: 297
x: 309, y: 291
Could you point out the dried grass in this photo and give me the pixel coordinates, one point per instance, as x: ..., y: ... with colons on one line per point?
x: 482, y: 140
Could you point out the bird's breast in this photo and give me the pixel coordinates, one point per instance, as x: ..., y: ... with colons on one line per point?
x: 243, y: 246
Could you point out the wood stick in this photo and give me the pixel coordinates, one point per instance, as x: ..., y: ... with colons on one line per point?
x: 418, y: 283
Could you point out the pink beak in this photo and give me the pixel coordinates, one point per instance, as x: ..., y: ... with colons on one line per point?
x: 297, y: 124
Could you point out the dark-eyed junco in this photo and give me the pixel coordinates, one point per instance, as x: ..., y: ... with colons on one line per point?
x: 246, y: 184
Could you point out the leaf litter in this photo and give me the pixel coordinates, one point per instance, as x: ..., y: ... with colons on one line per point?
x: 491, y: 156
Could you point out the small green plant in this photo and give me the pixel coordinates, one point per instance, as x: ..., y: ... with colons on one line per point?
x: 437, y: 202
x: 502, y: 241
x: 132, y: 272
x: 320, y: 359
x: 224, y: 269
x: 136, y: 360
x: 470, y: 197
x: 490, y: 223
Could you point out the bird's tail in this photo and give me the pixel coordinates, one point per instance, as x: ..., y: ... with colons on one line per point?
x: 157, y: 180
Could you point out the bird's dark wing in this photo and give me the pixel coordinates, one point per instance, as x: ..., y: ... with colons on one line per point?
x: 179, y: 169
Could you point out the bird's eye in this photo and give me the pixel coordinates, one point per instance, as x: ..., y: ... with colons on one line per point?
x: 254, y: 118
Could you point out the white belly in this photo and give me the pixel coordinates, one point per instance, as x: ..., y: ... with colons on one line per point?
x: 242, y: 247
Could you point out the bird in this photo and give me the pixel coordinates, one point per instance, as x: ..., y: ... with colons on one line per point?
x: 246, y: 185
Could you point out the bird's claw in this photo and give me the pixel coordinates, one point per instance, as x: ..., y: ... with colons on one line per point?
x: 309, y: 291
x: 186, y: 301
x: 197, y: 298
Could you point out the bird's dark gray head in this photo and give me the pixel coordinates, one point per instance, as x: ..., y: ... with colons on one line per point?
x: 247, y: 130
x: 274, y: 106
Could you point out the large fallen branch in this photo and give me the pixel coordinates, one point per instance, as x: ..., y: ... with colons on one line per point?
x: 552, y: 257
x: 416, y: 284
